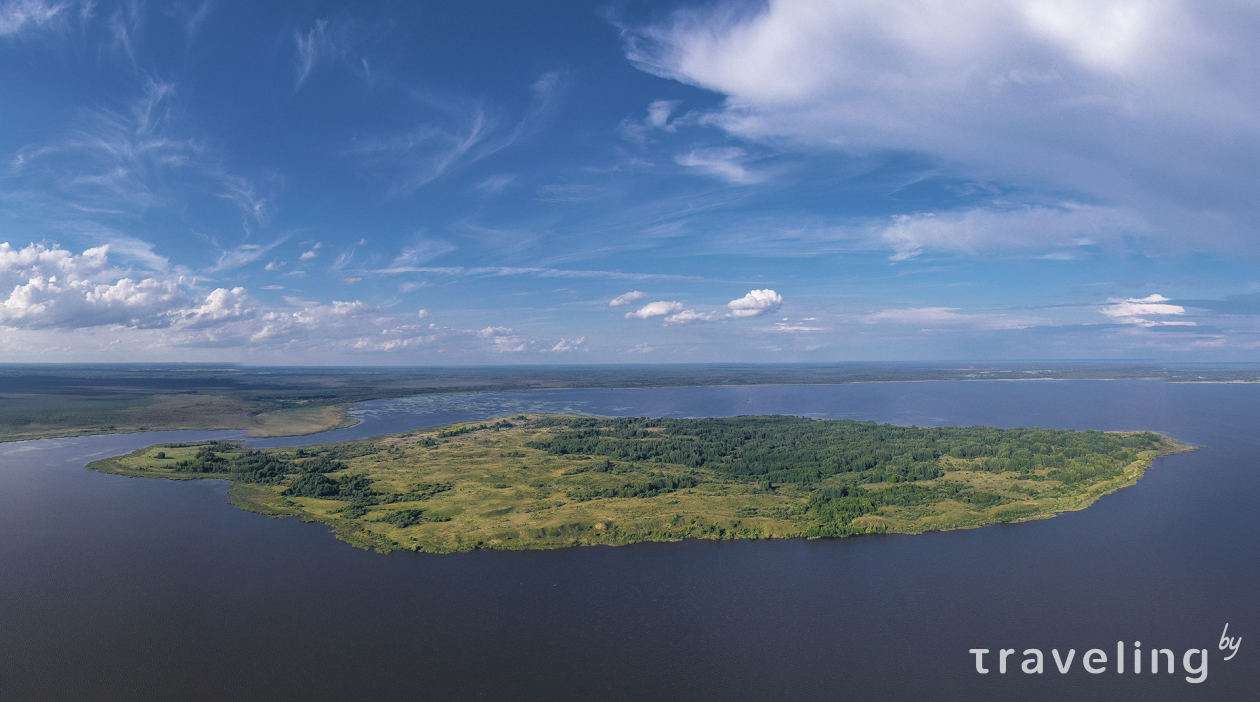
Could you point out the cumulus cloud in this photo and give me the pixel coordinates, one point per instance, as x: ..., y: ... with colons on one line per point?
x: 1131, y: 103
x: 632, y: 296
x: 655, y: 309
x: 1137, y: 310
x: 52, y: 287
x: 76, y: 297
x: 755, y: 303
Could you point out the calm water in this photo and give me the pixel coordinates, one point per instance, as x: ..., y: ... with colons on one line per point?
x: 135, y: 589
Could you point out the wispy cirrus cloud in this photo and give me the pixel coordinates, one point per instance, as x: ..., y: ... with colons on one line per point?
x: 321, y: 42
x: 17, y: 16
x: 464, y: 132
x: 421, y: 250
x: 1061, y: 229
x: 129, y: 160
x: 530, y: 270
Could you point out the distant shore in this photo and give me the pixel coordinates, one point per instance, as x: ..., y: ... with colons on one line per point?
x: 51, y: 401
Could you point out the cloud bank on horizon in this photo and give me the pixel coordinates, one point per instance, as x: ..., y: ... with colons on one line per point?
x: 791, y: 180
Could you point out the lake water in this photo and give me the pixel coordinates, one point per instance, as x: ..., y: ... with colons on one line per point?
x: 116, y: 588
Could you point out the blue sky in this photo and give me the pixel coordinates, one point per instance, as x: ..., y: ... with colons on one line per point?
x: 574, y: 182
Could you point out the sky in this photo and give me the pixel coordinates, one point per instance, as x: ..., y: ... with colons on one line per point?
x: 437, y: 183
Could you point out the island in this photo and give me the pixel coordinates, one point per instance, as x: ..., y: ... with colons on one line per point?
x: 547, y: 481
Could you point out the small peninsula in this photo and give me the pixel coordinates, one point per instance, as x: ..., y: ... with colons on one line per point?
x: 549, y: 481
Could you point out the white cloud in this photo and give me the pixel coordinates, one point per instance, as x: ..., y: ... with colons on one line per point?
x: 492, y: 331
x: 755, y: 303
x: 792, y: 327
x: 455, y: 133
x: 1136, y: 310
x: 422, y: 314
x: 658, y: 113
x: 540, y: 272
x: 632, y: 296
x: 1145, y: 106
x: 391, y: 345
x: 17, y: 15
x: 655, y: 309
x: 566, y: 345
x: 421, y: 250
x: 220, y: 304
x: 948, y: 317
x: 1066, y: 227
x: 245, y: 254
x: 317, y: 44
x: 725, y: 163
x: 313, y: 252
x: 693, y: 317
x: 509, y: 344
x: 53, y: 288
x: 128, y: 159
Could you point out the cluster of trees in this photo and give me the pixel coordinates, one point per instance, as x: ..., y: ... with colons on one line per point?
x: 410, y: 517
x: 835, y: 508
x: 250, y: 466
x: 786, y: 449
x: 604, y: 466
x: 653, y: 485
x: 468, y: 428
x: 351, y: 487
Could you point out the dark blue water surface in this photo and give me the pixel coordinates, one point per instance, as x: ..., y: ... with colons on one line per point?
x: 115, y: 588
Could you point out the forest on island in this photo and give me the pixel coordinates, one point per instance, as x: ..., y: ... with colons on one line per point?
x: 533, y: 481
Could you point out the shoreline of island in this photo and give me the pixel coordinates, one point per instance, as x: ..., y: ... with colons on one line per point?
x: 514, y: 483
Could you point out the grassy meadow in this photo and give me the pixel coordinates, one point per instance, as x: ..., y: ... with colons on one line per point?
x: 514, y: 483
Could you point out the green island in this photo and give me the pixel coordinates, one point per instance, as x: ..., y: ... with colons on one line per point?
x: 549, y: 481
